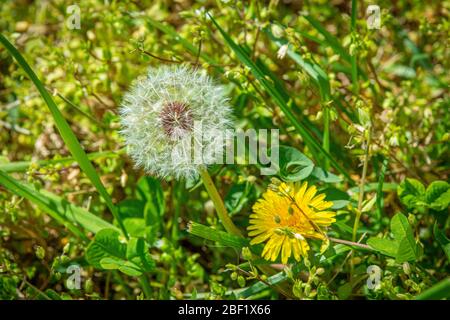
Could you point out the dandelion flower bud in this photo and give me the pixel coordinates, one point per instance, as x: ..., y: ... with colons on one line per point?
x: 174, y: 121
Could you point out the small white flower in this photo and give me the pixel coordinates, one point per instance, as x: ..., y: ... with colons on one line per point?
x: 170, y: 117
x: 282, y: 51
x: 277, y: 31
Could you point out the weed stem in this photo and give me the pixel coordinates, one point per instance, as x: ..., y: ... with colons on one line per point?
x: 361, y: 184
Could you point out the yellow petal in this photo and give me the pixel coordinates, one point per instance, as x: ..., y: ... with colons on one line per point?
x: 286, y: 251
x: 310, y: 193
x: 261, y: 238
x: 300, y: 194
x: 317, y: 200
x: 276, y: 249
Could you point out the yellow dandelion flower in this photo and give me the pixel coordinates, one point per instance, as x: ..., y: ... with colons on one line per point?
x: 287, y: 215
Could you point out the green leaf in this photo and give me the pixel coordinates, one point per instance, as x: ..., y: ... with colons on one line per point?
x: 343, y: 226
x: 385, y: 246
x: 237, y: 197
x: 293, y: 165
x: 339, y: 198
x: 126, y: 267
x: 223, y: 238
x: 131, y: 208
x: 108, y: 251
x: 66, y: 132
x: 111, y: 263
x: 135, y: 247
x: 403, y: 247
x: 344, y: 291
x: 437, y: 195
x: 150, y: 191
x: 131, y: 269
x: 137, y: 254
x: 368, y: 204
x: 135, y: 226
x: 408, y: 250
x: 106, y: 244
x: 325, y: 176
x: 53, y: 294
x: 410, y: 192
x: 442, y: 239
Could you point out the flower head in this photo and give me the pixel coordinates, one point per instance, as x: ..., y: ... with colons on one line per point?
x: 288, y: 215
x: 173, y: 121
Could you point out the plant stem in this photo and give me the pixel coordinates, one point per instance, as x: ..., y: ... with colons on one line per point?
x: 380, y: 201
x: 361, y: 185
x: 145, y: 286
x: 326, y: 134
x: 354, y: 60
x: 218, y: 204
x: 350, y: 243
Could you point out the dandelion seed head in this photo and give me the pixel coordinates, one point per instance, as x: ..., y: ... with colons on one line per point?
x: 168, y: 113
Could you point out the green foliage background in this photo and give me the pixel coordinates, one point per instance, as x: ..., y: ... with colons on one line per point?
x: 340, y: 88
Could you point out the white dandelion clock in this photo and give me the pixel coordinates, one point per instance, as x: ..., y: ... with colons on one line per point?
x: 173, y: 121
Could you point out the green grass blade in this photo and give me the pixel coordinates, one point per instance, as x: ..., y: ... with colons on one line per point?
x: 280, y: 99
x: 223, y: 238
x: 259, y: 286
x: 81, y: 111
x: 310, y: 67
x: 22, y: 166
x: 67, y: 134
x: 438, y: 291
x: 354, y: 58
x: 334, y: 43
x: 59, y: 209
x: 320, y: 78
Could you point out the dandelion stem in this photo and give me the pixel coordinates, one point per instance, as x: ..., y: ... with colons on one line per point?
x: 218, y: 204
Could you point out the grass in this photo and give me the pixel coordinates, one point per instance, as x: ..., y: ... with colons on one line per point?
x: 362, y: 119
x: 66, y: 132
